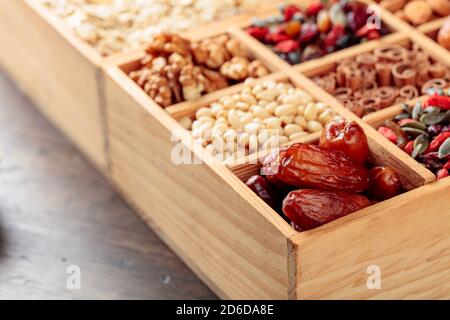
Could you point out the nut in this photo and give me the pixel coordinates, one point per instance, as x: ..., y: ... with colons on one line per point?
x: 417, y: 11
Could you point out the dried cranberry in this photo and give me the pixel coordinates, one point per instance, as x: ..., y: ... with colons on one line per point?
x: 287, y: 46
x: 435, y: 129
x: 431, y: 161
x: 441, y: 174
x: 276, y: 37
x: 373, y: 34
x: 258, y: 32
x: 308, y: 33
x: 314, y: 8
x: 358, y: 15
x: 333, y: 36
x: 289, y: 11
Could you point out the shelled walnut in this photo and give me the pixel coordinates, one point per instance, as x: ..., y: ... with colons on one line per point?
x: 111, y: 26
x: 185, y: 70
x: 390, y: 74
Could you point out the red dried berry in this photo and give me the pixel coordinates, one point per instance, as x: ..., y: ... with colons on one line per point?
x: 308, y: 33
x: 277, y: 37
x: 409, y: 147
x: 333, y: 36
x: 258, y: 32
x: 364, y: 30
x: 447, y: 165
x: 314, y: 8
x: 373, y: 35
x: 287, y: 46
x: 441, y: 174
x: 436, y: 100
x: 289, y: 11
x: 388, y: 134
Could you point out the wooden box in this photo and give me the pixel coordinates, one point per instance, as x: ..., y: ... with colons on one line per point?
x: 58, y: 71
x: 234, y: 242
x: 242, y: 248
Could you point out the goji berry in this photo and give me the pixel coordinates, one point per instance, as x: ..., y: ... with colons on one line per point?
x: 441, y: 174
x: 287, y: 46
x: 437, y: 142
x: 442, y: 102
x: 409, y: 147
x: 258, y: 32
x: 289, y: 12
x: 388, y: 134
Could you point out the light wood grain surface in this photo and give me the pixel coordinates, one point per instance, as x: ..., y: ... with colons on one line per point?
x: 56, y: 211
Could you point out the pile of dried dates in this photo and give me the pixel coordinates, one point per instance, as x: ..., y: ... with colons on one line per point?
x: 303, y: 33
x: 321, y: 183
x: 423, y: 131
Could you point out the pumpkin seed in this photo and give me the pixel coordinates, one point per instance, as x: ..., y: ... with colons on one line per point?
x: 413, y: 132
x: 420, y: 145
x: 432, y: 110
x: 447, y: 117
x: 415, y: 125
x: 444, y: 150
x: 430, y: 119
x: 406, y: 108
x: 416, y: 110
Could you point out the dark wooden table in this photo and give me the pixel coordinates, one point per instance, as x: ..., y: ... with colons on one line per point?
x: 57, y: 211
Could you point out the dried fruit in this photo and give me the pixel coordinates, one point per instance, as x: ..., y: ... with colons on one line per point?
x: 444, y: 150
x: 440, y: 101
x: 384, y: 183
x: 438, y: 141
x: 441, y: 174
x: 388, y: 134
x: 287, y: 46
x: 409, y: 147
x: 264, y: 190
x: 346, y: 136
x: 309, y: 209
x: 309, y: 166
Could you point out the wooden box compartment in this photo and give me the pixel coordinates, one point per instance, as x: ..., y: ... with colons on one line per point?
x: 242, y: 248
x: 59, y: 72
x: 62, y: 74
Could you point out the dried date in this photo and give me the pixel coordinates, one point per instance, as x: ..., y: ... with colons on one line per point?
x: 384, y: 183
x: 310, y: 166
x: 309, y: 209
x: 348, y: 137
x: 264, y: 190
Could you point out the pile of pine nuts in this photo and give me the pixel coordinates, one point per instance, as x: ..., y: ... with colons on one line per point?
x: 262, y: 116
